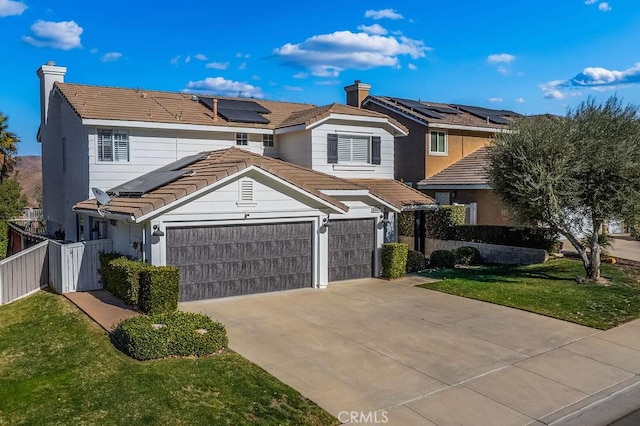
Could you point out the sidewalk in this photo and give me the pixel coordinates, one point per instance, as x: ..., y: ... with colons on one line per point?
x: 102, y: 307
x: 624, y: 247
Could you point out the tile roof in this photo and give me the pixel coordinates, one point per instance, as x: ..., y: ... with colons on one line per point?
x: 113, y: 103
x: 312, y: 115
x: 395, y: 193
x: 216, y: 166
x: 469, y: 170
x: 460, y: 118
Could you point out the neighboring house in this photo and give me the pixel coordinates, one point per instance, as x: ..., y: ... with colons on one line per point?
x: 243, y: 195
x: 440, y: 137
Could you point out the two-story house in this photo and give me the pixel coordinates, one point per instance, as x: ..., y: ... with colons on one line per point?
x: 242, y: 195
x: 444, y: 153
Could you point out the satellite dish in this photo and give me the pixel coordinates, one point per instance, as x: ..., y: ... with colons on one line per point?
x: 101, y: 196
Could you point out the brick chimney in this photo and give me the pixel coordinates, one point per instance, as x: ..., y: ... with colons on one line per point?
x: 356, y: 93
x: 48, y: 75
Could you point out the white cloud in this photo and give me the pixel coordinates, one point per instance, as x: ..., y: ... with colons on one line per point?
x: 93, y: 50
x: 11, y: 8
x: 255, y: 77
x: 293, y: 88
x: 187, y: 59
x: 200, y: 57
x: 242, y: 66
x: 501, y: 58
x: 412, y: 67
x: 328, y: 82
x: 242, y: 55
x: 175, y: 60
x: 520, y: 100
x: 217, y: 65
x: 552, y: 90
x: 504, y: 70
x: 301, y: 75
x: 63, y: 35
x: 326, y: 55
x: 224, y: 87
x: 382, y: 14
x: 495, y: 100
x: 604, y: 7
x: 590, y: 1
x: 373, y: 29
x: 111, y: 56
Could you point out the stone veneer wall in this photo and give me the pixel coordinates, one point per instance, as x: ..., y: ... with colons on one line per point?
x: 492, y: 253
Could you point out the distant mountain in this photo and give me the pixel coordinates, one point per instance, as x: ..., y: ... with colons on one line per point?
x: 28, y: 172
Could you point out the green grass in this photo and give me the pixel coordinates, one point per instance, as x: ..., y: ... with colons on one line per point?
x: 549, y: 289
x: 57, y: 367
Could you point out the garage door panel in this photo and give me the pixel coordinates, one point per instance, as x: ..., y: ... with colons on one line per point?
x: 233, y: 260
x: 351, y: 249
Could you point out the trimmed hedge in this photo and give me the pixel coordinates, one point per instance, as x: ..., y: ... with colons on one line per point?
x: 538, y: 238
x: 415, y: 261
x: 394, y: 260
x: 439, y: 221
x: 442, y: 259
x: 171, y: 334
x: 159, y: 289
x: 468, y: 256
x: 121, y: 276
x: 4, y: 239
x: 406, y: 226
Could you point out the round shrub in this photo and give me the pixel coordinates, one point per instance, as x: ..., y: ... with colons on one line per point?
x: 415, y: 261
x: 442, y: 259
x: 468, y: 256
x: 172, y: 334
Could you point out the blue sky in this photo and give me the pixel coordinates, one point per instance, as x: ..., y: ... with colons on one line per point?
x: 528, y: 56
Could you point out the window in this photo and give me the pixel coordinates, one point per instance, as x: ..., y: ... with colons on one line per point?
x: 242, y: 139
x: 267, y: 141
x: 438, y: 143
x: 113, y: 145
x: 355, y: 149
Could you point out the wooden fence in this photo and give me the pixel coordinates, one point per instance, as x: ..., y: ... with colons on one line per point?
x: 24, y: 273
x: 74, y: 267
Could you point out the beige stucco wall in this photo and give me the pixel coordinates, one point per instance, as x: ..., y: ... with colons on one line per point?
x: 490, y: 209
x: 459, y: 144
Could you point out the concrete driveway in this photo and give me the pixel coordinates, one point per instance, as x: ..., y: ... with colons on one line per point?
x: 373, y: 350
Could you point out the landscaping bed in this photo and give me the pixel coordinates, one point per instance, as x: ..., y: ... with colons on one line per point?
x: 57, y: 367
x: 549, y: 289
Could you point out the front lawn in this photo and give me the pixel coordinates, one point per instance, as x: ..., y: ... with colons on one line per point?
x: 549, y: 289
x: 57, y: 367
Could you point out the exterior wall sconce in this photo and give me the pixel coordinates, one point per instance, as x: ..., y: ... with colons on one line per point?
x: 326, y: 223
x: 383, y: 220
x: 157, y: 232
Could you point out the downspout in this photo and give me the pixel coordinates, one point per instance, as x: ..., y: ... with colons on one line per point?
x: 144, y: 243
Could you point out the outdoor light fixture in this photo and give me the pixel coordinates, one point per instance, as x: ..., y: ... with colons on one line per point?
x: 157, y: 232
x: 326, y: 223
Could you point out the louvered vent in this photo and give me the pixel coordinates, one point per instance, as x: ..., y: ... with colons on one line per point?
x: 246, y: 191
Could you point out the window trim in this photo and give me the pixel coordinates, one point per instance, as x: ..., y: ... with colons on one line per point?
x: 446, y: 143
x: 242, y: 137
x: 351, y: 137
x: 113, y: 159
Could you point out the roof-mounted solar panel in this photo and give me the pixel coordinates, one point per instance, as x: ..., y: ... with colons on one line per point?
x: 147, y: 183
x: 416, y: 106
x: 442, y: 109
x: 492, y: 115
x: 242, y: 116
x: 242, y: 105
x: 183, y: 162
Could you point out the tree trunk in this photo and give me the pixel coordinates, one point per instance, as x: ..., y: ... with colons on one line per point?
x: 582, y: 252
x: 594, y: 273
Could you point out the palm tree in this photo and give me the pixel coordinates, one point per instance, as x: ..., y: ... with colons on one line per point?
x: 8, y: 148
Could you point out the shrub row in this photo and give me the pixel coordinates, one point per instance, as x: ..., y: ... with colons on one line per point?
x: 462, y: 256
x: 537, y: 238
x: 439, y: 221
x: 170, y: 334
x: 153, y: 289
x: 416, y: 261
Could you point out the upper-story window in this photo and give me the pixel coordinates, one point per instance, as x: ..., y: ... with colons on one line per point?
x: 354, y: 149
x: 267, y: 141
x: 438, y: 143
x: 113, y: 145
x: 242, y: 139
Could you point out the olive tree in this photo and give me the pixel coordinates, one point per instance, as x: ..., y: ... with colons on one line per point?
x: 572, y: 173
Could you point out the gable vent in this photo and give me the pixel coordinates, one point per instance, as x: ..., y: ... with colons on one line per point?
x: 246, y: 191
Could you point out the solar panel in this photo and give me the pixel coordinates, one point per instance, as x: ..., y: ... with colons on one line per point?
x: 183, y: 162
x: 235, y: 104
x: 416, y: 106
x: 242, y: 116
x: 442, y: 109
x: 147, y: 182
x: 494, y: 116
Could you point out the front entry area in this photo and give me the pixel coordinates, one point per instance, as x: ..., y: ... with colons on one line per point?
x: 222, y: 261
x: 351, y: 249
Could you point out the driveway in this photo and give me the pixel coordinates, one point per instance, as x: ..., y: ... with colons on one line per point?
x: 412, y: 356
